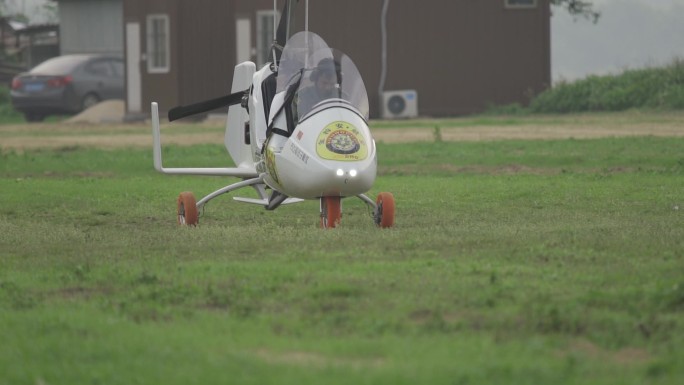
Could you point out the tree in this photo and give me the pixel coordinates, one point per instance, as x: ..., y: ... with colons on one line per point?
x: 30, y: 11
x: 8, y: 9
x: 50, y: 12
x: 578, y: 8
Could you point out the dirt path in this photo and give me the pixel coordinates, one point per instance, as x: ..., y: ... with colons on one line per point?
x: 480, y: 133
x: 56, y: 135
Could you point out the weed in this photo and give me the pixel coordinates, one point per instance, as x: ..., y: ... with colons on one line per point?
x: 437, y: 134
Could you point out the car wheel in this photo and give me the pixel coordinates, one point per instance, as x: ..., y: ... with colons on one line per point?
x: 33, y: 117
x: 88, y: 101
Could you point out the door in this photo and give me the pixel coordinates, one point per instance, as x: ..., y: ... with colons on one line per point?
x: 133, y: 80
x: 243, y: 40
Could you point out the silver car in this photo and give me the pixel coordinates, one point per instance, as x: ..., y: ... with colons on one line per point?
x: 67, y: 84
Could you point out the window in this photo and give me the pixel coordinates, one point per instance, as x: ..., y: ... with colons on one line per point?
x: 158, y: 43
x: 264, y: 35
x: 520, y: 3
x: 99, y: 68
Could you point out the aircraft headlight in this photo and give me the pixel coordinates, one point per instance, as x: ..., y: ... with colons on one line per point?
x: 339, y: 172
x: 352, y: 173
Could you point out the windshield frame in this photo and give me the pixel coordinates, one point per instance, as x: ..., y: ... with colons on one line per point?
x: 304, y: 55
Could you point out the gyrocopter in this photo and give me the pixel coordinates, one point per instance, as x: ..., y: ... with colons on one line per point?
x: 296, y: 129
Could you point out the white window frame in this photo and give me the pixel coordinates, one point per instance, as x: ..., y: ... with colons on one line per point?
x: 152, y: 67
x: 261, y: 55
x: 533, y: 4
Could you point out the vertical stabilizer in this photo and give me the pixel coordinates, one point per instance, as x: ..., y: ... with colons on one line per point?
x: 235, y: 138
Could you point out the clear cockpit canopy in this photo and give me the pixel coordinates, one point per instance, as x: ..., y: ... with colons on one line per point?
x: 318, y: 73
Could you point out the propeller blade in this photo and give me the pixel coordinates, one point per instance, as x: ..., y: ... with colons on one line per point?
x: 205, y: 106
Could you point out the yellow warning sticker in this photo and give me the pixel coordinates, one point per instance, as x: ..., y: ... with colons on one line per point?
x: 341, y: 141
x: 271, y: 164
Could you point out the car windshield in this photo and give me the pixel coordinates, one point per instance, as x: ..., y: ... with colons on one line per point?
x: 319, y: 73
x: 59, y: 65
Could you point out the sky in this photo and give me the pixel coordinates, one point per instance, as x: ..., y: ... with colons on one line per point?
x: 32, y: 8
x: 629, y: 34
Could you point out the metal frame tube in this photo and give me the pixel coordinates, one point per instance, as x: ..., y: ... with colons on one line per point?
x: 233, y: 171
x: 227, y: 189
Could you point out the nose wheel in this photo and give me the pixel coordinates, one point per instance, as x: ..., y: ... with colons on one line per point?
x: 187, y: 209
x: 384, y: 214
x: 331, y: 212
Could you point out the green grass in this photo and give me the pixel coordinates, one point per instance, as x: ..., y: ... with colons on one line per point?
x: 511, y: 262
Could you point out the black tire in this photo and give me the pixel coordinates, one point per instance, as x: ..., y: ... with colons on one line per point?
x: 187, y: 209
x: 384, y: 217
x: 89, y: 100
x: 33, y: 117
x: 331, y: 212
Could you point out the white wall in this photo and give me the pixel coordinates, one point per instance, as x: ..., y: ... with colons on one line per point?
x: 91, y: 26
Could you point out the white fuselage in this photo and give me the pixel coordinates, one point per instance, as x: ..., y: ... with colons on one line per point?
x: 330, y: 153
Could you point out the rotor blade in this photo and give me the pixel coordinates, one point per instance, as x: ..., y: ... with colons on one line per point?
x: 208, y: 105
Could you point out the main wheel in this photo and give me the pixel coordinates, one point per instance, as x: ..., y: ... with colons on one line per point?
x: 331, y: 212
x: 384, y: 217
x: 187, y: 209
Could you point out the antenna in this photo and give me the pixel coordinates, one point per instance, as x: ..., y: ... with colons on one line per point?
x: 275, y: 36
x: 306, y: 36
x: 288, y: 19
x: 383, y: 55
x: 306, y: 18
x: 275, y: 11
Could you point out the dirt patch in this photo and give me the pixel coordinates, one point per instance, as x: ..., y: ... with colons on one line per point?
x: 510, y: 169
x: 318, y: 360
x: 626, y: 356
x: 59, y: 175
x: 525, y: 132
x: 106, y: 141
x: 79, y: 292
x: 108, y: 111
x: 109, y: 136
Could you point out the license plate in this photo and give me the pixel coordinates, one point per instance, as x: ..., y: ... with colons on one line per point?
x: 34, y: 87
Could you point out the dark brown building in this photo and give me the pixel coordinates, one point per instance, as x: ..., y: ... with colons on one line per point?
x: 459, y: 55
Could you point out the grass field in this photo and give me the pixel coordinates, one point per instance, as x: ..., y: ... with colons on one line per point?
x: 512, y: 262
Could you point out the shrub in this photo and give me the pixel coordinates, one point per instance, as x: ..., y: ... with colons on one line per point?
x: 658, y: 88
x: 7, y: 112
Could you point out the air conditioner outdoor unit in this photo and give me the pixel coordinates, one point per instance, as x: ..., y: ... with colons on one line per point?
x: 399, y: 104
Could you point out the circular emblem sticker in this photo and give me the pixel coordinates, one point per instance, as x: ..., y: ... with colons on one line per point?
x: 341, y: 141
